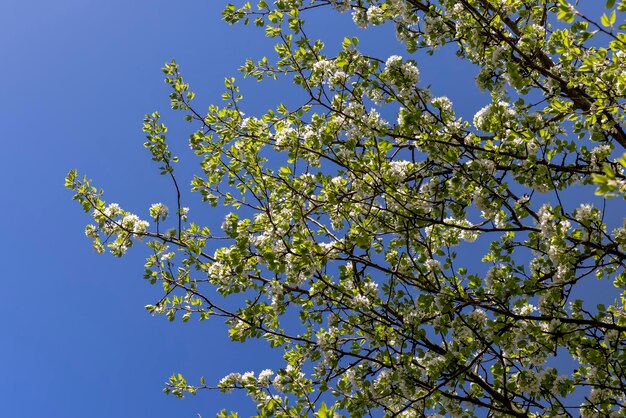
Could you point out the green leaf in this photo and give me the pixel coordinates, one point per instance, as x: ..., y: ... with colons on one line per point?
x: 69, y: 179
x: 323, y: 411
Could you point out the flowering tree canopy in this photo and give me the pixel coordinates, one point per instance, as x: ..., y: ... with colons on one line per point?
x: 407, y: 261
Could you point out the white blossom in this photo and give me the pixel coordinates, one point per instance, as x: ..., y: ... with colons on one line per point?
x: 112, y: 210
x: 264, y: 376
x: 229, y: 381
x: 527, y: 309
x: 399, y: 170
x: 599, y: 154
x: 183, y: 213
x: 443, y: 103
x: 546, y: 221
x: 432, y: 265
x: 483, y: 118
x: 283, y: 136
x: 375, y: 15
x: 585, y: 213
x: 359, y: 17
x: 158, y: 211
x: 394, y: 61
x: 132, y: 223
x: 361, y: 301
x: 247, y: 378
x: 91, y: 231
x: 478, y: 316
x: 166, y: 257
x: 341, y: 5
x: 324, y: 69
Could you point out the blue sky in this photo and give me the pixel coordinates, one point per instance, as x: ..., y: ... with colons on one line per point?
x: 78, y: 77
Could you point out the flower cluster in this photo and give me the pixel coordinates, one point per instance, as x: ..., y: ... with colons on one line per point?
x: 491, y: 117
x: 401, y: 76
x: 159, y: 212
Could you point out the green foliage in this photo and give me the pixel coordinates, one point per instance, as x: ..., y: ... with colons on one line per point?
x: 610, y: 182
x: 434, y: 266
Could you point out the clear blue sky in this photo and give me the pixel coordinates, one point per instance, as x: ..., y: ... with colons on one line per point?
x: 77, y: 78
